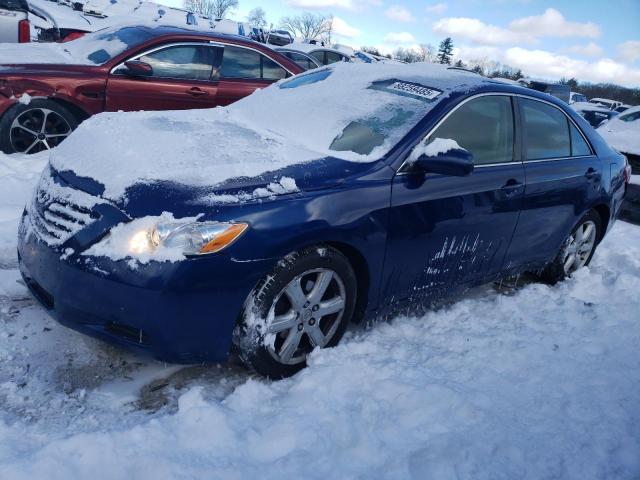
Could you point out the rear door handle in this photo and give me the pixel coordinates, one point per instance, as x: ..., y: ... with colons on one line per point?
x: 196, y: 92
x: 592, y: 174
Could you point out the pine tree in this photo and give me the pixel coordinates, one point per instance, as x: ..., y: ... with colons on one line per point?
x: 445, y: 52
x: 459, y: 64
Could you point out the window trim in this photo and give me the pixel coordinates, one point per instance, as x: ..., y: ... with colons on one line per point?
x: 162, y: 47
x: 518, y: 124
x: 210, y: 43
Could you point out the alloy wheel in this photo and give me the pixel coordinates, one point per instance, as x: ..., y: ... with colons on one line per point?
x: 579, y: 246
x: 38, y: 129
x: 305, y: 314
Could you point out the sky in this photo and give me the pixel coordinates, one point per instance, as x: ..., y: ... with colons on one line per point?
x: 591, y: 40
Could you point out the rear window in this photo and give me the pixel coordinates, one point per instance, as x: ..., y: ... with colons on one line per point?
x: 14, y: 5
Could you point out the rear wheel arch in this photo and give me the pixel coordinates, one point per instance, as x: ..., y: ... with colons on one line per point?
x: 605, y: 214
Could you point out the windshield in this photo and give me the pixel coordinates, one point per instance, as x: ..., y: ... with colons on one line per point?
x: 101, y: 46
x: 351, y: 111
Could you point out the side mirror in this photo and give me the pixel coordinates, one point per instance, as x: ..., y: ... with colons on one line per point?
x: 136, y: 68
x: 456, y: 163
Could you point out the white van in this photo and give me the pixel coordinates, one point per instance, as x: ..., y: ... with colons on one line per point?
x: 14, y: 21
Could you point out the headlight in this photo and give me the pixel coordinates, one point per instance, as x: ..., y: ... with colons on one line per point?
x: 197, y: 238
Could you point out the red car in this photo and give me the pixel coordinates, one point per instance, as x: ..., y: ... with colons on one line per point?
x: 129, y: 68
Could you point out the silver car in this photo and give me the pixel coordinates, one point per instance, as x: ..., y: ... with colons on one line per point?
x: 14, y: 21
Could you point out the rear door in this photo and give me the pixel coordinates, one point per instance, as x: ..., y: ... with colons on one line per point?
x: 562, y: 179
x: 244, y: 70
x: 183, y: 77
x: 446, y: 232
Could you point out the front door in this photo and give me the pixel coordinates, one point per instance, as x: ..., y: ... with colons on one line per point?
x: 182, y: 78
x: 446, y: 232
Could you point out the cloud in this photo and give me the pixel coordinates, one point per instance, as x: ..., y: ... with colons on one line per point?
x: 553, y: 24
x: 343, y: 29
x: 437, y: 9
x: 399, y: 38
x: 324, y: 4
x: 545, y: 64
x: 629, y: 51
x: 526, y: 30
x: 399, y: 14
x: 590, y: 50
x: 480, y: 32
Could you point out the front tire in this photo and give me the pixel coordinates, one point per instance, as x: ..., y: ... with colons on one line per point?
x: 577, y: 249
x: 306, y: 302
x: 40, y: 125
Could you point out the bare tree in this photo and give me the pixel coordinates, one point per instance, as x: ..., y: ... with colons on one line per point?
x: 428, y: 53
x: 257, y: 17
x: 211, y: 8
x: 309, y: 26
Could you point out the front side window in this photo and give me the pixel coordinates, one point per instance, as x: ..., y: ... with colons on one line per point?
x: 482, y: 126
x: 190, y: 62
x: 546, y: 131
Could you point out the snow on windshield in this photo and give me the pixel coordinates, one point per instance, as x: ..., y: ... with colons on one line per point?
x: 92, y: 49
x: 271, y: 129
x: 101, y: 46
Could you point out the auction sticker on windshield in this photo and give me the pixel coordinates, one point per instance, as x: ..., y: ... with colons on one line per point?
x: 410, y: 89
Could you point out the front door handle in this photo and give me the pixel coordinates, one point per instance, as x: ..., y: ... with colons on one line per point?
x: 196, y: 92
x: 512, y: 187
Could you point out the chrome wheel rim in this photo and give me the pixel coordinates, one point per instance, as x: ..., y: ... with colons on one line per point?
x: 305, y: 314
x: 38, y: 129
x: 579, y: 247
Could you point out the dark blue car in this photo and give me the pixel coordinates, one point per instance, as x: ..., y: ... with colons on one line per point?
x: 336, y: 195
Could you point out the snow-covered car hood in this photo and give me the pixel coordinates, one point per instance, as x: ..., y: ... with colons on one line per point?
x: 199, y: 155
x: 262, y: 138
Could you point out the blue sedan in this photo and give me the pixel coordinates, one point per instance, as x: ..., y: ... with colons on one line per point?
x: 345, y: 193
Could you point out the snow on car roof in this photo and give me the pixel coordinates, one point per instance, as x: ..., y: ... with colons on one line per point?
x: 310, y: 47
x: 589, y: 107
x: 295, y: 121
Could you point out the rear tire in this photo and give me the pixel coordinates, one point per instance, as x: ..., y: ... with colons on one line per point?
x: 306, y: 302
x: 577, y: 249
x: 40, y: 125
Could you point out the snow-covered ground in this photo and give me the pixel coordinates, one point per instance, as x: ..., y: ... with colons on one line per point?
x: 532, y: 382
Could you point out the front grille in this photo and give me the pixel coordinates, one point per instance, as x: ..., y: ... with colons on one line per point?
x: 57, y: 221
x: 58, y: 212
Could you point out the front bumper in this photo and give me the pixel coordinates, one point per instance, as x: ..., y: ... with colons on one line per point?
x: 182, y: 312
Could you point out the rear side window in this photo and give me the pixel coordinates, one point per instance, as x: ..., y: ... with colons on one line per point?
x: 546, y: 131
x: 300, y: 59
x: 271, y: 70
x: 333, y: 57
x: 482, y: 126
x: 249, y: 64
x: 630, y: 117
x: 190, y: 62
x: 319, y: 55
x: 240, y: 63
x: 579, y: 146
